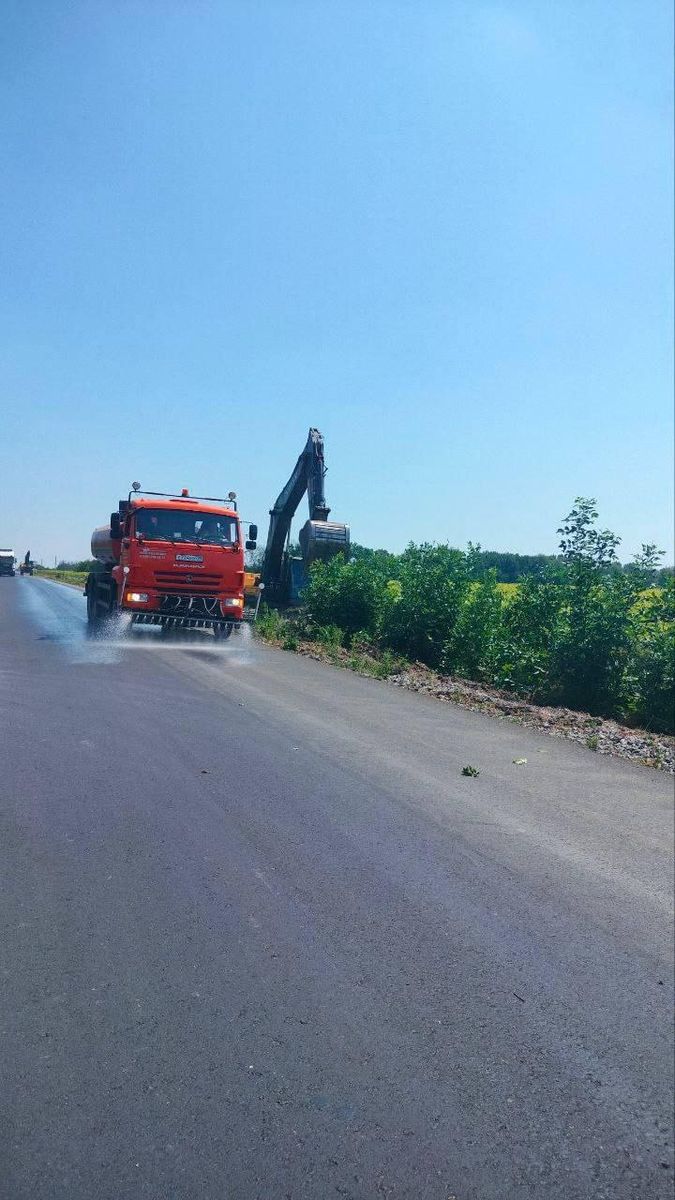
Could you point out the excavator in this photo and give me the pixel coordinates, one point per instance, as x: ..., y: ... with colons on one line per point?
x: 283, y: 576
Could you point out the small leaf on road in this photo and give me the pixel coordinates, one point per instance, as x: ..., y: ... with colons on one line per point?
x: 472, y: 771
x: 519, y: 761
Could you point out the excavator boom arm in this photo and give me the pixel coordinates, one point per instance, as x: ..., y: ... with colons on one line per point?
x: 307, y: 476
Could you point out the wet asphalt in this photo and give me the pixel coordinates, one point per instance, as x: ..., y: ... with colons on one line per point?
x: 261, y: 940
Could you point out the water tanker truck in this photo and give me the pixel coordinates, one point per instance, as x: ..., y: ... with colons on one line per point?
x: 171, y: 560
x: 6, y: 562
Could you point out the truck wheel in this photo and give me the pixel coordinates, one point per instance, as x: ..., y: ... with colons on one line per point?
x: 92, y: 608
x: 222, y: 632
x: 100, y: 604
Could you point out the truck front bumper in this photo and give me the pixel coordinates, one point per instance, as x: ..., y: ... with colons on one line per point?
x: 184, y: 610
x: 158, y: 618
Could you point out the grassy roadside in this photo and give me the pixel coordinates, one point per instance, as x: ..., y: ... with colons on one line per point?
x: 77, y: 578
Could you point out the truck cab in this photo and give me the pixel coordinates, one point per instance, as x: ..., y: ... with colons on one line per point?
x: 174, y: 561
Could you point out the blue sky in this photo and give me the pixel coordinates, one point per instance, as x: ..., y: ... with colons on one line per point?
x: 441, y: 232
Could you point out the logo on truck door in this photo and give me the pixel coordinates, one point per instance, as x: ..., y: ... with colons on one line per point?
x: 189, y: 558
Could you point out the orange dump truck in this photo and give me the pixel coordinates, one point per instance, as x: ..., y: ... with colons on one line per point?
x: 170, y: 560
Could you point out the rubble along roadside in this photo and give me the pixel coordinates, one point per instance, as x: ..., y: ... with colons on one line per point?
x: 601, y: 735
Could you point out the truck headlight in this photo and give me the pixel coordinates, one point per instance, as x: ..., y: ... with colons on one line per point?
x: 137, y: 597
x: 232, y: 602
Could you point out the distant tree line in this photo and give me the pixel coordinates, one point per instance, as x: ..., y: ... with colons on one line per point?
x: 508, y: 567
x: 83, y: 564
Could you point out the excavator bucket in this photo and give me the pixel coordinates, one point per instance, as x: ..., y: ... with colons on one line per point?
x: 323, y: 539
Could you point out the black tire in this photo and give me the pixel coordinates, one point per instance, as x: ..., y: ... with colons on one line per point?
x: 222, y: 632
x: 101, y: 604
x: 92, y: 607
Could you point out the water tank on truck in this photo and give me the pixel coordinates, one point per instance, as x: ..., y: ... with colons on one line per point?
x: 104, y: 547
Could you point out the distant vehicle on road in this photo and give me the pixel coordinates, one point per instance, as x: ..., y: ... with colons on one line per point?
x: 7, y: 561
x: 26, y: 567
x: 174, y: 561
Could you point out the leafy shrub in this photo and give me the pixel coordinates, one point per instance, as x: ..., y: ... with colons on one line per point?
x: 362, y: 640
x: 329, y: 636
x: 82, y: 566
x: 270, y: 625
x: 388, y: 664
x: 591, y: 646
x: 595, y: 638
x: 530, y: 623
x: 583, y: 632
x: 655, y: 662
x: 474, y: 648
x: 350, y: 595
x: 418, y: 619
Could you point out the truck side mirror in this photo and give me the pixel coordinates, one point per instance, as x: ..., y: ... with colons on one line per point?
x: 251, y: 545
x: 253, y: 532
x: 115, y: 525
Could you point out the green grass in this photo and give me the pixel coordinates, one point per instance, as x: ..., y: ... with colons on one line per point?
x: 289, y: 632
x: 75, y: 577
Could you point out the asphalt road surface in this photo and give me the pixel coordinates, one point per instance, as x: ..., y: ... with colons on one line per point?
x: 261, y: 940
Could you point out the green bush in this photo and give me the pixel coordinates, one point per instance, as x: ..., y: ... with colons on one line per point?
x: 590, y: 657
x: 82, y: 566
x: 389, y: 664
x: 595, y: 636
x: 270, y: 625
x: 419, y: 618
x: 329, y: 636
x: 654, y: 692
x: 350, y: 595
x: 530, y: 624
x: 475, y: 646
x: 583, y: 632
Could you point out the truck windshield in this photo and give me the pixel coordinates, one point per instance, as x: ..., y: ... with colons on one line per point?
x: 169, y: 525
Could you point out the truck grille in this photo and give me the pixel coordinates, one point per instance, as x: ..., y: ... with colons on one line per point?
x: 190, y: 606
x: 189, y: 581
x: 182, y: 611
